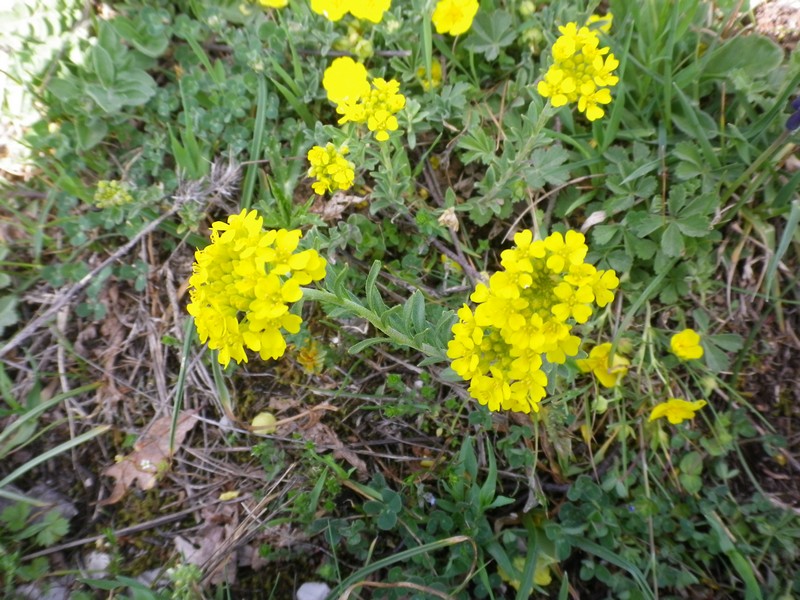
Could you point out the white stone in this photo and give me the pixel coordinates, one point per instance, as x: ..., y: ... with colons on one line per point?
x: 313, y: 591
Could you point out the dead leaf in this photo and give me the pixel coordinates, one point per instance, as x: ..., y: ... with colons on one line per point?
x: 151, y: 456
x: 202, y: 549
x: 332, y: 209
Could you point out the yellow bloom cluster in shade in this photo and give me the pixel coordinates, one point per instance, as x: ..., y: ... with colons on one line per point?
x: 331, y: 169
x: 242, y: 284
x: 686, y: 345
x: 526, y: 312
x: 608, y: 373
x: 676, y: 410
x: 369, y: 10
x: 454, y: 16
x: 579, y: 72
x: 347, y: 85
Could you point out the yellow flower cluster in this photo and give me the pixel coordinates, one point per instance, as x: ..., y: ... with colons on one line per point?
x: 369, y: 10
x: 242, y: 284
x: 579, y: 72
x: 527, y: 311
x: 331, y: 169
x: 454, y: 16
x: 357, y: 101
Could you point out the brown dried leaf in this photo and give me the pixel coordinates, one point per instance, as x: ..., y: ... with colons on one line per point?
x: 332, y: 209
x: 212, y: 538
x: 150, y: 457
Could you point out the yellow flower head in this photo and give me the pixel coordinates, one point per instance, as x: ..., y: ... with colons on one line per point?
x: 242, y: 284
x: 377, y: 108
x: 454, y: 16
x: 608, y: 373
x: 369, y: 10
x: 345, y: 80
x: 525, y: 315
x: 676, y: 410
x: 273, y: 3
x: 582, y: 71
x: 333, y: 10
x: 603, y: 22
x: 331, y: 169
x: 686, y: 345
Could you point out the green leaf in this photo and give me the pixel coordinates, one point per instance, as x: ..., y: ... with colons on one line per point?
x: 15, y: 516
x: 691, y: 483
x: 547, y: 166
x: 90, y: 131
x: 55, y: 527
x: 692, y: 463
x: 363, y: 344
x: 8, y: 312
x: 731, y: 342
x: 105, y: 98
x: 694, y: 226
x: 386, y: 520
x: 642, y: 224
x: 103, y: 65
x: 477, y: 145
x: 134, y: 87
x: 672, y: 241
x: 491, y: 32
x: 756, y: 55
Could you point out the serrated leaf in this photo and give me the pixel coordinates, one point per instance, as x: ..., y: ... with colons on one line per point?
x: 642, y: 224
x: 672, y: 241
x: 491, y: 32
x: 477, y: 145
x: 547, y: 166
x: 694, y: 225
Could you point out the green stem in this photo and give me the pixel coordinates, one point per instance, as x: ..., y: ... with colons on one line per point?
x: 363, y: 312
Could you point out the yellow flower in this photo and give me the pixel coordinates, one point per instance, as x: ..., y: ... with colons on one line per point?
x: 454, y: 16
x: 242, y: 284
x: 676, y: 410
x: 435, y: 79
x: 333, y: 10
x: 369, y: 10
x: 345, y: 80
x: 332, y: 170
x: 541, y: 574
x: 604, y: 22
x: 579, y: 73
x: 273, y: 3
x: 686, y: 345
x: 525, y: 314
x: 609, y: 375
x: 376, y: 108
